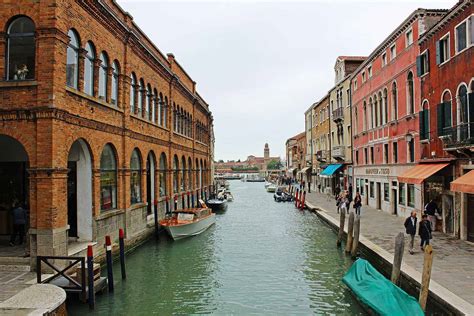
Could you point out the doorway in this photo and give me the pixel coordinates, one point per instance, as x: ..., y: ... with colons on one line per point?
x: 150, y: 183
x: 448, y: 213
x: 79, y: 191
x: 379, y: 196
x: 470, y: 217
x: 366, y: 193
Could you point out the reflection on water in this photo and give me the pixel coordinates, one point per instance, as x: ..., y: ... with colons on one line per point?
x: 261, y: 257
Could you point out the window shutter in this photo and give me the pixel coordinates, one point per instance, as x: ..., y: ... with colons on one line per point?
x: 421, y: 121
x: 438, y: 58
x: 471, y: 106
x: 418, y: 66
x: 447, y: 114
x: 440, y: 116
x: 426, y: 123
x: 427, y: 56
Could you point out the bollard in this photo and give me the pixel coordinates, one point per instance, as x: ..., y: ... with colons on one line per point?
x: 426, y: 276
x: 167, y: 204
x: 296, y: 197
x: 155, y: 214
x: 122, y: 253
x: 350, y: 228
x: 110, y: 272
x: 302, y: 205
x: 355, y: 242
x: 192, y: 199
x: 175, y: 202
x: 90, y: 277
x: 182, y: 201
x: 397, y: 257
x: 340, y: 234
x: 189, y: 205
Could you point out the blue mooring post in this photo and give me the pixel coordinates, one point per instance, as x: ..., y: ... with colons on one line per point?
x: 189, y: 205
x: 182, y: 201
x: 122, y: 253
x: 205, y: 194
x: 110, y: 272
x: 175, y: 202
x: 192, y: 199
x: 167, y: 205
x: 155, y: 214
x: 90, y: 277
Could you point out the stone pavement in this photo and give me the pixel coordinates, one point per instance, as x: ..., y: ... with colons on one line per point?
x: 453, y: 266
x: 12, y: 281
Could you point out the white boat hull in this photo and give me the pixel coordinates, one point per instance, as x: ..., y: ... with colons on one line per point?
x: 190, y: 229
x: 271, y: 189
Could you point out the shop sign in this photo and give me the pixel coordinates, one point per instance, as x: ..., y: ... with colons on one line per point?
x: 377, y: 171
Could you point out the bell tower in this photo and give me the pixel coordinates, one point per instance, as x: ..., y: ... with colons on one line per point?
x: 266, y: 152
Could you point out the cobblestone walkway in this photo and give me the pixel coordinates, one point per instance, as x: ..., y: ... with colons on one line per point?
x: 12, y: 282
x: 453, y: 265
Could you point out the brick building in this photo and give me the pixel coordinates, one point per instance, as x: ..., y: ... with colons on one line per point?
x: 385, y: 103
x: 97, y: 125
x: 296, y: 155
x: 446, y: 71
x: 321, y: 132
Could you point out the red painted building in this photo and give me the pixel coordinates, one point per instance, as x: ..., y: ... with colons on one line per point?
x: 446, y: 71
x: 386, y: 98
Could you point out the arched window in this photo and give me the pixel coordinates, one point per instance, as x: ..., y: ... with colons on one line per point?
x: 356, y: 120
x: 385, y: 106
x: 160, y: 109
x: 364, y: 123
x: 175, y: 174
x: 424, y: 121
x: 183, y: 174
x: 381, y: 109
x: 463, y: 104
x: 135, y: 177
x: 191, y: 126
x: 444, y: 114
x: 190, y: 174
x: 133, y: 83
x: 115, y: 84
x: 371, y: 111
x: 196, y: 169
x: 394, y: 101
x: 141, y: 87
x: 104, y: 66
x: 200, y: 174
x: 72, y: 60
x: 148, y: 103
x: 410, y: 94
x: 108, y: 179
x: 89, y: 69
x: 175, y: 121
x: 165, y: 113
x: 163, y: 167
x: 20, y: 59
x: 153, y: 105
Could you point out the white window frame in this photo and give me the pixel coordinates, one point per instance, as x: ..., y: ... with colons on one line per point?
x: 393, y: 48
x: 369, y: 71
x: 363, y: 76
x: 468, y: 35
x: 446, y: 36
x: 427, y: 61
x: 407, y: 44
x: 384, y: 59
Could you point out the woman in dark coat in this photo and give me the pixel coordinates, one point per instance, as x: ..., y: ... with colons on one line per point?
x: 424, y: 230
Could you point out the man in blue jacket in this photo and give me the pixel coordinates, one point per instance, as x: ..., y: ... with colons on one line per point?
x: 19, y: 223
x: 410, y: 227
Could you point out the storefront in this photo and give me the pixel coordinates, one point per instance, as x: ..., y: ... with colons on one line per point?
x: 465, y: 185
x: 331, y: 178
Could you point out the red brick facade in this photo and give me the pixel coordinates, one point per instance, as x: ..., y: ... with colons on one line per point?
x: 47, y: 117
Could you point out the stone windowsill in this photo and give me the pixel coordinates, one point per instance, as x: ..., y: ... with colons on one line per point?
x: 136, y: 206
x: 109, y: 213
x: 93, y: 99
x: 18, y: 83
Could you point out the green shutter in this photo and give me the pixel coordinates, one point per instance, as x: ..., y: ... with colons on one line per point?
x: 418, y: 65
x: 438, y: 53
x: 447, y: 114
x: 471, y: 113
x: 421, y: 121
x: 427, y: 54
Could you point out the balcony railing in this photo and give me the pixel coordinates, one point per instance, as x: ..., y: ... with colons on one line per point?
x: 458, y: 136
x: 322, y: 155
x: 339, y: 152
x: 338, y: 114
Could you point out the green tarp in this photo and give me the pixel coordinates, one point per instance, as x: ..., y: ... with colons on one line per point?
x: 378, y: 293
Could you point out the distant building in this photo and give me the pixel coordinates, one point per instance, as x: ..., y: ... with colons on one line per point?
x: 296, y: 155
x: 252, y: 164
x: 321, y: 140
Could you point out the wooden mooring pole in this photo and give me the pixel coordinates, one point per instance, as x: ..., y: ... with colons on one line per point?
x: 426, y: 276
x: 350, y: 229
x: 355, y: 241
x: 342, y: 221
x: 397, y: 257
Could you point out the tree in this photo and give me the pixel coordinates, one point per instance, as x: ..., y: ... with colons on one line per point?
x: 274, y: 165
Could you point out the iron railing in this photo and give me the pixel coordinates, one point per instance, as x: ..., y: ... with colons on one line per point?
x: 338, y: 114
x: 458, y: 136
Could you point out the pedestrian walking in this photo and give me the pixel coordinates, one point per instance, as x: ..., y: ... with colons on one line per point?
x: 431, y: 208
x: 319, y: 187
x: 337, y: 191
x: 344, y: 203
x: 309, y: 186
x: 357, y: 203
x: 424, y: 230
x: 19, y: 223
x: 338, y: 203
x: 410, y: 228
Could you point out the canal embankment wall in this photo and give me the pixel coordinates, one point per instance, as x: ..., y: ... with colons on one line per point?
x: 440, y: 299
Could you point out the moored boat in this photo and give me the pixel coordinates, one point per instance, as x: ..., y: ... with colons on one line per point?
x: 377, y: 293
x: 271, y: 188
x: 217, y: 205
x: 188, y: 222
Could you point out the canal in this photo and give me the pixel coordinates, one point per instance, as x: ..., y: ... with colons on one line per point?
x: 261, y: 257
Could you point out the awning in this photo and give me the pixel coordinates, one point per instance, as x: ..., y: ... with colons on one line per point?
x: 464, y: 183
x: 304, y: 170
x: 419, y: 173
x: 329, y: 170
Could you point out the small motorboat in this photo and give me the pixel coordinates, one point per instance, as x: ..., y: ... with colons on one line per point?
x: 272, y: 188
x: 225, y: 194
x: 282, y: 196
x: 188, y: 222
x: 217, y: 205
x: 267, y: 184
x: 378, y: 295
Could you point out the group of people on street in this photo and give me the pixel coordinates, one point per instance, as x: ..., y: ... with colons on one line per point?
x: 425, y: 228
x: 344, y: 200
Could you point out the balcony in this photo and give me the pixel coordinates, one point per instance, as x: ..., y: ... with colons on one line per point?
x: 339, y: 152
x: 458, y: 139
x: 338, y: 114
x: 322, y: 155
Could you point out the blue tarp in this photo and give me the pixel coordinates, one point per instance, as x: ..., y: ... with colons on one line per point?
x: 329, y: 171
x: 378, y: 293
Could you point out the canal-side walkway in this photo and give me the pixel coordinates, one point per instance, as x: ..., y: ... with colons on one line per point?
x: 452, y: 265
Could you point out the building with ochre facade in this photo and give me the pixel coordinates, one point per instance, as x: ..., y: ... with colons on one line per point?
x: 97, y: 127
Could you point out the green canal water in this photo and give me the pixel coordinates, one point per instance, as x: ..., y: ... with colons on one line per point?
x: 261, y: 257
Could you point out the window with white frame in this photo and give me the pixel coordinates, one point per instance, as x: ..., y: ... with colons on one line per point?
x: 471, y: 30
x: 442, y: 50
x: 369, y: 71
x: 384, y: 59
x: 464, y: 34
x: 393, y: 52
x: 363, y: 77
x: 423, y: 63
x: 355, y: 84
x: 408, y: 38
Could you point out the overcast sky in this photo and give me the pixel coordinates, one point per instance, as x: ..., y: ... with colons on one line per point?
x: 261, y: 64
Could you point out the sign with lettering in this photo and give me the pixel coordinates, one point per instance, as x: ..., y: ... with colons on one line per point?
x: 376, y: 171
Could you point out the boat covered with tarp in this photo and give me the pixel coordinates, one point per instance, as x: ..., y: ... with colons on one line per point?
x: 377, y: 293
